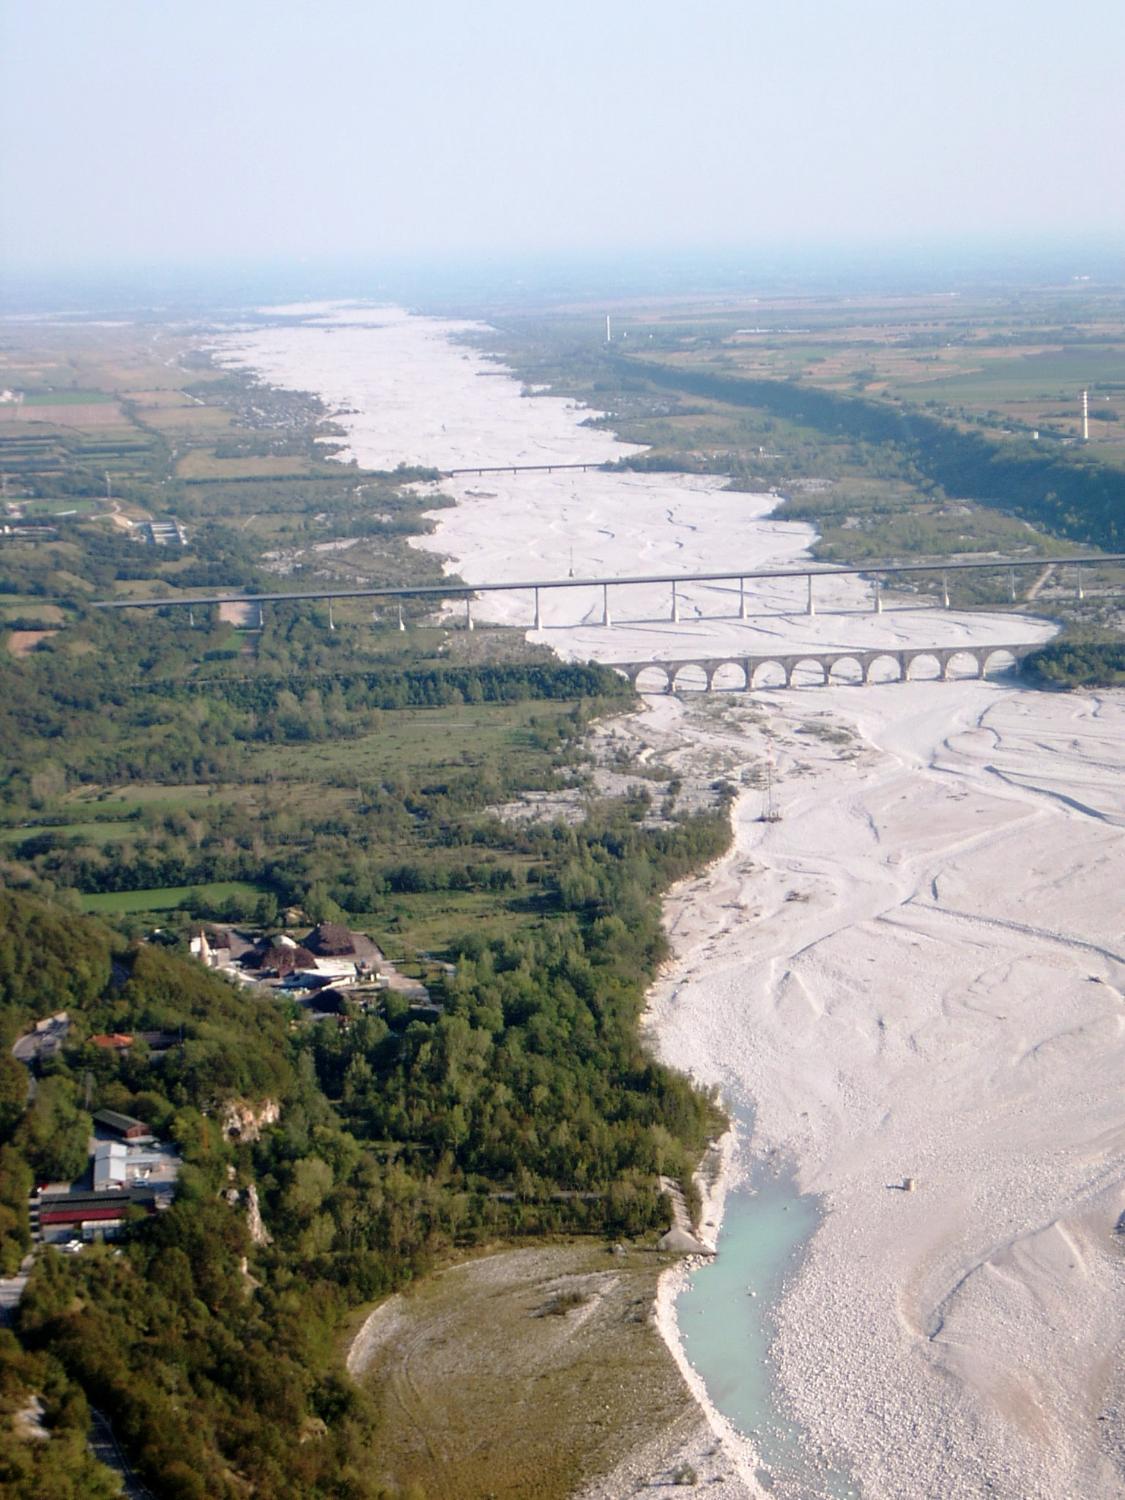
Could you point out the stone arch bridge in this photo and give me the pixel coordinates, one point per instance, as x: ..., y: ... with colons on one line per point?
x: 901, y: 658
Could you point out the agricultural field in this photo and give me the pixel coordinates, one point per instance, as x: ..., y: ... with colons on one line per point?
x: 243, y: 471
x: 1016, y: 366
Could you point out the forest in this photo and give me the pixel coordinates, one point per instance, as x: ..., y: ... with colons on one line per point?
x: 527, y: 1106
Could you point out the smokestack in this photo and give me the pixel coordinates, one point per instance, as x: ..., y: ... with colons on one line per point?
x: 608, y: 330
x: 1085, y: 416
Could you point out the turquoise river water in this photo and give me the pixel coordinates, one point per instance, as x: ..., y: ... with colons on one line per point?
x: 725, y: 1321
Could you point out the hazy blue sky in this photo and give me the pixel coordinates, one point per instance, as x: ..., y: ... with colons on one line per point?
x: 180, y: 130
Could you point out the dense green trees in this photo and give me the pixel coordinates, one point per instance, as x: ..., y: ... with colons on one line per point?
x: 54, y: 1461
x: 534, y: 1073
x: 42, y: 966
x: 1071, y: 663
x: 525, y: 1106
x: 53, y: 1133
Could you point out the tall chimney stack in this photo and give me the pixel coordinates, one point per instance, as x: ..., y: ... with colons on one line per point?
x: 1085, y: 416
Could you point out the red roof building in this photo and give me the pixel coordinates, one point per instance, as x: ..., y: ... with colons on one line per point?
x: 116, y: 1041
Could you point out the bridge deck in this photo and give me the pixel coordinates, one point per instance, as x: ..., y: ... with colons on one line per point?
x: 517, y: 469
x: 461, y: 590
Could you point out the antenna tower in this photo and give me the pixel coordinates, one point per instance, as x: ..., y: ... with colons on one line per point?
x: 771, y: 812
x: 1085, y: 416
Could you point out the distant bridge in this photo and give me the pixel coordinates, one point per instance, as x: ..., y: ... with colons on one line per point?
x: 878, y: 572
x: 902, y: 658
x: 516, y: 469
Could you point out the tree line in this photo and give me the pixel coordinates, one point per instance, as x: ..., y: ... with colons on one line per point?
x: 1067, y: 494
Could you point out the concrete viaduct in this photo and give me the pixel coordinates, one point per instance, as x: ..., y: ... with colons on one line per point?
x: 902, y: 658
x: 877, y: 572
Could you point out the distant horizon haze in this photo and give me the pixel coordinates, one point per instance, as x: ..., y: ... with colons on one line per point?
x: 607, y: 282
x: 141, y: 135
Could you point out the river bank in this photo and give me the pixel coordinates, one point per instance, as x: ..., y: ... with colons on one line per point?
x: 913, y: 974
x: 916, y: 974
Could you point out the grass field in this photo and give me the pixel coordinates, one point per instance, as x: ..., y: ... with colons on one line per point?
x: 430, y: 921
x: 200, y: 464
x: 167, y: 898
x: 63, y: 505
x: 13, y: 607
x: 411, y: 741
x: 91, y: 832
x: 66, y: 398
x: 486, y: 1393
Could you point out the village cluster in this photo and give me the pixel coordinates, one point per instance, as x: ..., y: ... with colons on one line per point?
x: 329, y: 966
x: 328, y: 971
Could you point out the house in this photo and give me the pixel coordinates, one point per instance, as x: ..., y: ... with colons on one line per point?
x: 123, y: 1041
x: 123, y: 1125
x: 111, y: 1172
x: 224, y: 948
x: 331, y: 940
x: 330, y: 954
x: 284, y: 957
x: 115, y: 1041
x: 155, y: 1165
x: 124, y: 1175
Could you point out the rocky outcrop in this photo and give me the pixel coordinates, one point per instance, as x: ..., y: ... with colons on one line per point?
x: 244, y: 1122
x: 259, y: 1234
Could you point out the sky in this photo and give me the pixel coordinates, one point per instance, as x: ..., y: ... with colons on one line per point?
x: 136, y: 132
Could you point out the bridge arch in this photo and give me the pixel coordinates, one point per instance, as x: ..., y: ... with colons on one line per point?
x: 728, y: 677
x: 884, y: 666
x: 1004, y: 657
x: 931, y: 669
x: 844, y: 669
x: 768, y: 674
x: 808, y: 671
x: 961, y: 661
x: 689, y: 677
x: 652, y: 679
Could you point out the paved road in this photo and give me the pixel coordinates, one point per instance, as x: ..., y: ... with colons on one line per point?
x: 50, y: 1038
x: 11, y: 1290
x: 105, y: 1448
